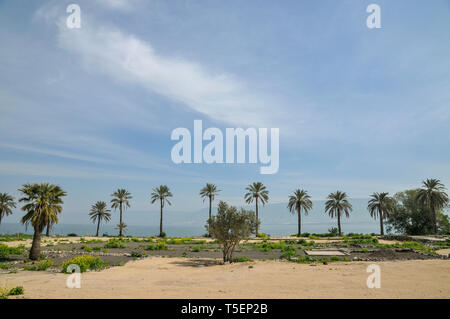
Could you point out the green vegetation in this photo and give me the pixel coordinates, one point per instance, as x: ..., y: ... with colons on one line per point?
x: 230, y: 226
x: 5, y: 250
x: 256, y: 192
x: 114, y: 243
x: 209, y: 192
x: 161, y: 194
x: 337, y: 204
x: 160, y: 245
x: 16, y: 291
x: 43, y: 203
x: 85, y: 262
x: 300, y: 200
x: 242, y: 259
x: 40, y: 265
x: 6, y: 205
x: 15, y: 237
x: 99, y: 212
x: 86, y: 248
x: 121, y: 200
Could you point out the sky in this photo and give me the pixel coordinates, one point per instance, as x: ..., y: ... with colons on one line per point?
x: 92, y: 109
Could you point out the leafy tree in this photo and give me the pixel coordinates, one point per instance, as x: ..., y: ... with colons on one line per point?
x: 161, y: 194
x: 209, y: 191
x: 257, y: 192
x: 99, y: 212
x: 230, y: 226
x: 433, y: 195
x: 6, y: 205
x: 300, y: 200
x: 337, y: 204
x: 380, y: 205
x: 121, y: 227
x: 43, y: 203
x: 121, y: 200
x: 410, y: 217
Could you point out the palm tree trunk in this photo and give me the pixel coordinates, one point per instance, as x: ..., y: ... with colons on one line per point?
x: 120, y: 228
x: 35, y: 251
x: 339, y: 222
x: 434, y: 221
x: 98, y: 227
x: 47, y: 233
x: 210, y: 209
x: 299, y: 222
x: 161, y: 219
x: 257, y: 218
x: 381, y: 224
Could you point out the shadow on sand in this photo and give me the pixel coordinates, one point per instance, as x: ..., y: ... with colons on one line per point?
x: 198, y: 262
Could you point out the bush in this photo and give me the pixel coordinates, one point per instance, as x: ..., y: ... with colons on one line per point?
x: 162, y: 235
x: 161, y: 245
x: 72, y: 235
x: 137, y: 254
x: 114, y: 243
x: 5, y: 250
x: 242, y: 259
x: 288, y: 252
x: 39, y: 266
x: 16, y: 291
x: 85, y: 262
x: 86, y: 248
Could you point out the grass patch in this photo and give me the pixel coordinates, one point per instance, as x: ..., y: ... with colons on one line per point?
x: 242, y: 259
x: 114, y: 243
x: 5, y: 250
x: 39, y: 266
x: 85, y: 262
x: 160, y: 245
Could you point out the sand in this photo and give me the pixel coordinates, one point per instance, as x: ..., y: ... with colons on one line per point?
x: 158, y: 277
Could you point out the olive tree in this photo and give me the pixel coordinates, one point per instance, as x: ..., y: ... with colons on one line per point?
x: 230, y: 226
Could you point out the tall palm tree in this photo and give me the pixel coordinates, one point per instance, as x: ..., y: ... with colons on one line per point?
x: 209, y: 191
x: 99, y: 212
x: 380, y: 204
x: 120, y: 200
x: 300, y: 200
x: 6, y: 205
x: 58, y: 192
x: 161, y: 193
x: 256, y: 192
x: 433, y: 195
x: 43, y: 203
x: 337, y: 204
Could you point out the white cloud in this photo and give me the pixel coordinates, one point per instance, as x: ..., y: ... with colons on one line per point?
x: 126, y: 58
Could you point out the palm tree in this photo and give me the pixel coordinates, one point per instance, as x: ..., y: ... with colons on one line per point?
x: 99, y: 212
x: 209, y: 191
x: 300, y: 200
x: 336, y: 204
x: 58, y: 193
x: 43, y: 204
x: 161, y: 193
x: 256, y: 191
x: 121, y: 201
x: 6, y: 205
x: 380, y: 204
x: 433, y: 195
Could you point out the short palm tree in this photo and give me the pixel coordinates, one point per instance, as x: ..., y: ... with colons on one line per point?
x: 256, y: 192
x: 43, y: 203
x: 99, y: 211
x: 300, y: 200
x: 121, y: 200
x: 433, y: 195
x: 209, y: 191
x: 380, y: 204
x: 161, y: 194
x: 337, y: 204
x: 6, y: 205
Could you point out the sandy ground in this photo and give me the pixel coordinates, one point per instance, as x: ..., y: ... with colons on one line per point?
x: 158, y: 277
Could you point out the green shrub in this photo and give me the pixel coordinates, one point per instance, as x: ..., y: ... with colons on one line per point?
x: 40, y: 265
x: 137, y: 254
x: 86, y: 248
x: 16, y: 291
x: 96, y: 248
x: 195, y: 249
x: 242, y: 259
x: 5, y: 250
x: 288, y: 252
x: 161, y: 245
x: 114, y: 243
x: 85, y: 262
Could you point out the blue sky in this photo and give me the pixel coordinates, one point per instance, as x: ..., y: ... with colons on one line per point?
x: 92, y: 109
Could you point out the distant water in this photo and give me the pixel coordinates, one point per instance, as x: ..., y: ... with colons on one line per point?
x: 185, y: 231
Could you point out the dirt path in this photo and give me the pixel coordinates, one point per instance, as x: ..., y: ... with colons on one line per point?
x: 183, y: 278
